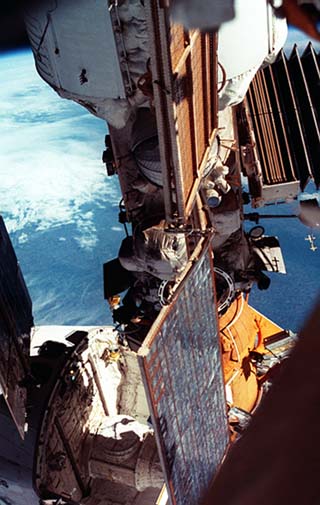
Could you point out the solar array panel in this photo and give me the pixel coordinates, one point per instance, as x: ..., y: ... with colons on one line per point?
x: 284, y: 106
x: 184, y: 70
x: 182, y: 370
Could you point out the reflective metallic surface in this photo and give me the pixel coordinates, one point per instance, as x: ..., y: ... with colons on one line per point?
x: 15, y: 325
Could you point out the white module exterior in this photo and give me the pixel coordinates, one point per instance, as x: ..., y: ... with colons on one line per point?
x: 250, y: 37
x: 253, y: 38
x: 91, y: 53
x: 71, y: 36
x: 203, y: 15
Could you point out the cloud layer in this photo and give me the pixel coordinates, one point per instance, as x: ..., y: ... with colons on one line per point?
x: 58, y: 204
x: 50, y: 157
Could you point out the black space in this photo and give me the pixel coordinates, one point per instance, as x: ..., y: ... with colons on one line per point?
x: 12, y: 30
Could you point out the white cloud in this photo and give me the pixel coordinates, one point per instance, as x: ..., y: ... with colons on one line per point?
x: 87, y: 238
x: 48, y: 189
x: 50, y: 157
x: 23, y: 238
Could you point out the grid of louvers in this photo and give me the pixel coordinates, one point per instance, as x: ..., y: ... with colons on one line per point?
x: 284, y: 106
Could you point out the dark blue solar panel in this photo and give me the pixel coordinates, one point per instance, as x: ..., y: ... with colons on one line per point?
x: 183, y: 373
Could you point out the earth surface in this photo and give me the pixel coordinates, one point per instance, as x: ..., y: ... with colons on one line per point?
x: 61, y: 209
x: 58, y: 204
